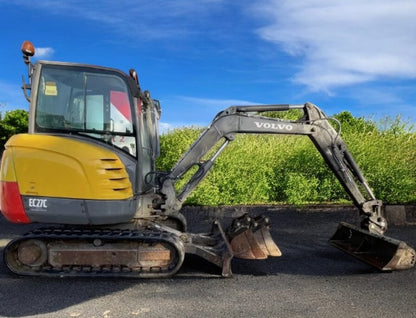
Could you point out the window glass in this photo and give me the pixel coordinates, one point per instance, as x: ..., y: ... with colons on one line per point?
x: 92, y: 103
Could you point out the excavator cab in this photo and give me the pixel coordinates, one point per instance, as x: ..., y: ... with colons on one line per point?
x: 86, y: 102
x: 91, y: 146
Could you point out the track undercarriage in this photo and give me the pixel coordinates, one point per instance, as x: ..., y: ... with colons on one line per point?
x: 148, y: 250
x: 97, y: 252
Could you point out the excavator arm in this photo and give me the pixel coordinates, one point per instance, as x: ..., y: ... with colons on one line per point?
x: 245, y: 119
x: 366, y: 243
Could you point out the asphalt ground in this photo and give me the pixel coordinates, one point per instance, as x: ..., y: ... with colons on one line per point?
x: 311, y: 279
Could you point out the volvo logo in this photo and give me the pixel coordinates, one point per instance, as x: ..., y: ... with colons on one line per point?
x: 274, y: 126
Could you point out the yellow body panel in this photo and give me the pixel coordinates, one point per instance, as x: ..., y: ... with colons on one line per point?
x: 7, y: 172
x: 55, y: 166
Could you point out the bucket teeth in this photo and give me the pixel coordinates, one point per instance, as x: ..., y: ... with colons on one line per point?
x: 251, y: 238
x: 269, y: 246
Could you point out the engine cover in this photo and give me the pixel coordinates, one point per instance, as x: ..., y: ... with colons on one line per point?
x: 62, y: 180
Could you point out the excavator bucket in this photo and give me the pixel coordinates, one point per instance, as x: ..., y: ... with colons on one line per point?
x: 251, y: 239
x: 382, y: 252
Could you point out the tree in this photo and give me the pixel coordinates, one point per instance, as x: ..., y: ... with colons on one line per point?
x: 352, y: 124
x: 13, y: 122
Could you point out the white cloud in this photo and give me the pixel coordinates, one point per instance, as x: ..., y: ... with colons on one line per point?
x: 165, y: 128
x: 344, y: 42
x: 44, y: 52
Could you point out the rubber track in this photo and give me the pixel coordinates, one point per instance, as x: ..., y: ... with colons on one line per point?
x: 108, y: 236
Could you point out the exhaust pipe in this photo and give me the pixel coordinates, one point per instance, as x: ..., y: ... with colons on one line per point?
x: 381, y: 252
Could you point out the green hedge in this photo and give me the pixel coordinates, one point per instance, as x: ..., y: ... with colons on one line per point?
x: 12, y: 123
x: 263, y: 169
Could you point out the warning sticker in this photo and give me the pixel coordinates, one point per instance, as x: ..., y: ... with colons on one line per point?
x: 51, y: 89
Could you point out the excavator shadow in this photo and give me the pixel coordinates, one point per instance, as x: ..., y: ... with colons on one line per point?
x: 323, y: 262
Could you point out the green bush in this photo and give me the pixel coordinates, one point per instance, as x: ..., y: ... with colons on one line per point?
x: 264, y: 169
x: 389, y: 164
x: 13, y: 122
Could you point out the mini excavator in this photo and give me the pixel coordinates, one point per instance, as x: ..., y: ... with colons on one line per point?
x: 86, y: 171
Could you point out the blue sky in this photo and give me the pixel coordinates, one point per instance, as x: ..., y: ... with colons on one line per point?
x: 200, y: 56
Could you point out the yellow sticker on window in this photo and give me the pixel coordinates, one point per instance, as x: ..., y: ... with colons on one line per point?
x: 51, y: 89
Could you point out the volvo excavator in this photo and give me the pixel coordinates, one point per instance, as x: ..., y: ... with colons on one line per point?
x: 85, y: 171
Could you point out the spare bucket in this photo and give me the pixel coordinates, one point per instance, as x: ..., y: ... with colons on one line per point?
x: 250, y: 238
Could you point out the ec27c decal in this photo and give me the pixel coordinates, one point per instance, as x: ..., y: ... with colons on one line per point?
x: 35, y: 203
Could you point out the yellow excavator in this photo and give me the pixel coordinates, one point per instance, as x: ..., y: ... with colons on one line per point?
x: 86, y: 172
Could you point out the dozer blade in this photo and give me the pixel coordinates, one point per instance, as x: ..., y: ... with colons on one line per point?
x: 382, y: 252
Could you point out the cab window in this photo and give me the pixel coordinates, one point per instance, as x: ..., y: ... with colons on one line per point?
x: 89, y: 102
